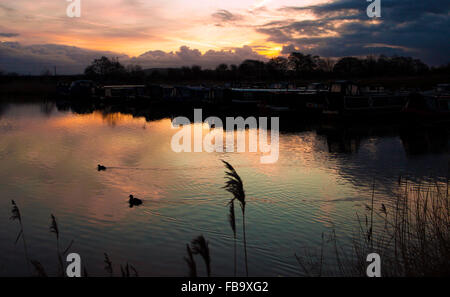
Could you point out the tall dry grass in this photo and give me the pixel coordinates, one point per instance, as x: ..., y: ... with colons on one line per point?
x: 411, y: 235
x: 199, y: 246
x: 235, y: 186
x: 16, y: 216
x: 232, y: 221
x: 55, y: 229
x: 415, y: 240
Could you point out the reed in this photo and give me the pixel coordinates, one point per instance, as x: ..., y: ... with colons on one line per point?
x: 412, y: 236
x: 40, y: 271
x: 200, y: 246
x: 108, y: 265
x: 126, y: 271
x: 54, y: 229
x: 190, y: 262
x: 16, y: 216
x: 235, y: 186
x: 232, y: 221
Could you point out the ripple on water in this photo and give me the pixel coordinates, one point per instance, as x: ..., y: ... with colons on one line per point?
x: 49, y: 166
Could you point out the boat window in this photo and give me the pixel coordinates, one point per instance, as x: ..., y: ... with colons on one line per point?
x: 354, y: 90
x: 336, y: 88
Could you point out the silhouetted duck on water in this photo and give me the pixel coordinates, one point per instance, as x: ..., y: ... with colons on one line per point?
x: 101, y: 168
x: 134, y: 201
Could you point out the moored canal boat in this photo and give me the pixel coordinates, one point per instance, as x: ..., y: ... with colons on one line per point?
x: 347, y: 99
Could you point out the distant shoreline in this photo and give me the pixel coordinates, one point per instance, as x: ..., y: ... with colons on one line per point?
x: 44, y: 86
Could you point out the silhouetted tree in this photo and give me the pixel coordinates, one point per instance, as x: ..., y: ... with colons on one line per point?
x: 196, y: 72
x: 326, y: 65
x: 277, y: 67
x: 252, y: 68
x: 349, y: 66
x: 105, y: 68
x: 222, y: 68
x: 297, y: 65
x: 302, y: 64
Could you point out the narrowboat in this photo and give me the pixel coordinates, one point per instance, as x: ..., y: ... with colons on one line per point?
x: 124, y: 93
x: 347, y: 99
x: 432, y: 105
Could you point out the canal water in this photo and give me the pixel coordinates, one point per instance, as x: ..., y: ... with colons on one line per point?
x: 321, y: 183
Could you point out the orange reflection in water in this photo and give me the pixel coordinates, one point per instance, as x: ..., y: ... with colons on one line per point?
x: 142, y: 162
x: 97, y: 118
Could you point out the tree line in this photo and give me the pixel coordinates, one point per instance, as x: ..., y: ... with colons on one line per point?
x: 296, y: 66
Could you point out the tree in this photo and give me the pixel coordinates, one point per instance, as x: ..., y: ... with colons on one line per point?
x: 222, y: 68
x: 349, y: 65
x: 222, y: 71
x: 277, y: 66
x: 105, y: 68
x: 252, y: 68
x: 302, y: 64
x: 420, y: 67
x: 326, y: 64
x: 196, y: 71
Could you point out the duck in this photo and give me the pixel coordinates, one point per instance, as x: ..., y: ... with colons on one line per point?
x: 101, y: 168
x: 134, y: 201
x: 383, y: 208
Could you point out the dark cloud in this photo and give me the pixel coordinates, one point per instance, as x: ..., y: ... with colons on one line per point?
x: 342, y: 28
x: 225, y: 16
x: 188, y: 57
x: 8, y: 34
x: 287, y: 49
x: 34, y: 59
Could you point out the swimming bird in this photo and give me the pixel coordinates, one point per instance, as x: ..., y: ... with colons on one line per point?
x: 101, y: 168
x: 383, y: 208
x: 134, y: 201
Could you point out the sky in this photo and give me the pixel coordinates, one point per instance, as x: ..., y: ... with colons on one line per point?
x: 35, y: 35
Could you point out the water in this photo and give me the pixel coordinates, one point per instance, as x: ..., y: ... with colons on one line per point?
x: 48, y: 161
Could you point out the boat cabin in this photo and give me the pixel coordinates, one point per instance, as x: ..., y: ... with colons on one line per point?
x: 124, y: 91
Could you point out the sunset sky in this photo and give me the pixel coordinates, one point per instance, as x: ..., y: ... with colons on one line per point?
x: 162, y: 33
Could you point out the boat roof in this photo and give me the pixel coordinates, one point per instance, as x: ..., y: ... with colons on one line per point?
x: 265, y: 90
x: 124, y: 86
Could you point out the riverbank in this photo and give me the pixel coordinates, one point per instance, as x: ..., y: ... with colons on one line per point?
x: 41, y: 87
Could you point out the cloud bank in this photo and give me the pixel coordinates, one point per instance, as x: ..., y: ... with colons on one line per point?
x: 216, y: 32
x: 34, y: 59
x: 342, y: 28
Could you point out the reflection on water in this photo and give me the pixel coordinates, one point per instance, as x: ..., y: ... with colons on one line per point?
x: 324, y: 176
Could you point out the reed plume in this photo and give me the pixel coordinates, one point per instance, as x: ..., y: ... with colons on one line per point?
x: 15, y: 215
x: 232, y: 220
x: 108, y: 266
x: 39, y: 268
x: 190, y: 262
x: 414, y: 241
x: 126, y: 271
x: 200, y: 246
x: 235, y: 186
x: 54, y: 229
x: 136, y: 274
